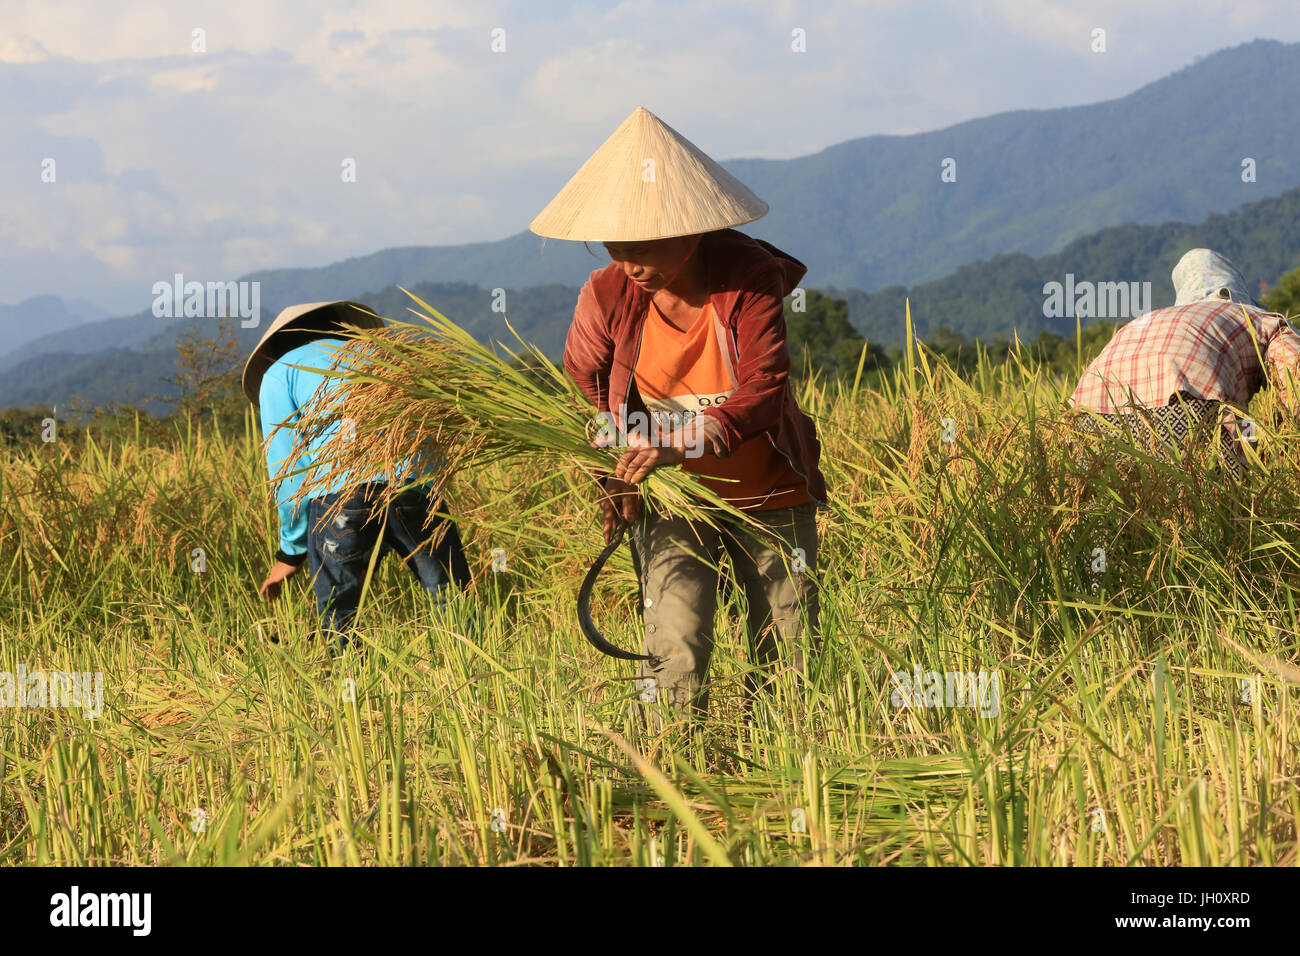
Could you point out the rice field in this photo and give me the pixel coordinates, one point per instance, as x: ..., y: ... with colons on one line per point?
x: 1147, y: 708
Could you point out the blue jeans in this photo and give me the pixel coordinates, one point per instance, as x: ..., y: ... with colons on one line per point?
x: 339, y: 549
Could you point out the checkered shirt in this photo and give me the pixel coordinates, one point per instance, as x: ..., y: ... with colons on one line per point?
x: 1205, y: 349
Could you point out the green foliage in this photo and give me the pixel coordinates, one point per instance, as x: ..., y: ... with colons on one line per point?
x: 208, y: 370
x: 21, y: 428
x: 1285, y: 296
x: 1054, y: 353
x: 822, y: 340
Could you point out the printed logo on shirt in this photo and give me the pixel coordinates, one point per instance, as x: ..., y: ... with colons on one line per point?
x: 659, y: 429
x: 685, y: 406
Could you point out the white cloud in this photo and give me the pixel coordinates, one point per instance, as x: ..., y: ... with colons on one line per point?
x: 1067, y: 25
x: 185, y: 80
x: 22, y: 49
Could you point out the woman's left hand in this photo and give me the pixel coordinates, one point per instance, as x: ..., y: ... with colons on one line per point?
x: 704, y: 435
x: 641, y: 458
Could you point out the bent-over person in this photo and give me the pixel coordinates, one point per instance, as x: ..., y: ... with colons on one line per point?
x: 334, y: 531
x: 1176, y: 374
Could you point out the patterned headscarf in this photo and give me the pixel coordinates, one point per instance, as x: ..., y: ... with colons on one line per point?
x: 1204, y: 274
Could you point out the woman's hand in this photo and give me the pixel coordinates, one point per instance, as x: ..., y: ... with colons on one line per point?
x: 619, y: 499
x: 279, y: 574
x: 642, y: 457
x: 703, y: 435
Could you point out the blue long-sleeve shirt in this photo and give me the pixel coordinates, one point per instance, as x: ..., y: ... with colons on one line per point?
x: 284, y: 391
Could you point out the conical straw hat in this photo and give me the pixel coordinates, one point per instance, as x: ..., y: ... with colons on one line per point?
x: 324, y: 317
x: 647, y: 181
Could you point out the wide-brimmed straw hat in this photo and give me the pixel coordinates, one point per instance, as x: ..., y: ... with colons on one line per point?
x: 647, y: 181
x: 323, y: 317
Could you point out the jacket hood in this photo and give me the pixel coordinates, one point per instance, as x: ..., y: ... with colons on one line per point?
x: 757, y: 254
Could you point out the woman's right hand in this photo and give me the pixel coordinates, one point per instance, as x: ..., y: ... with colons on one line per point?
x: 619, y: 499
x: 279, y: 574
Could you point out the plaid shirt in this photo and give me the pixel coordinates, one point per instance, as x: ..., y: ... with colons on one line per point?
x: 1204, y: 349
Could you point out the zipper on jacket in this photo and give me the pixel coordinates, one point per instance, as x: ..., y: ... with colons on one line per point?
x: 632, y: 377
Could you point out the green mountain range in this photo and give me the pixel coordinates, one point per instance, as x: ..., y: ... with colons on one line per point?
x: 993, y: 298
x: 1103, y: 193
x: 1005, y: 294
x: 875, y: 212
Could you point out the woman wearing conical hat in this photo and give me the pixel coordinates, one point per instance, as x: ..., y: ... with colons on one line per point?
x: 686, y: 326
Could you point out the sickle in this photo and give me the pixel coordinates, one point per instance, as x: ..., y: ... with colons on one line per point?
x: 584, y: 602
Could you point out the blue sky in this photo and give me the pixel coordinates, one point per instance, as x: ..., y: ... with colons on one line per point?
x: 218, y: 162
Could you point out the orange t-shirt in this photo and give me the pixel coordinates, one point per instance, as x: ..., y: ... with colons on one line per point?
x: 679, y: 373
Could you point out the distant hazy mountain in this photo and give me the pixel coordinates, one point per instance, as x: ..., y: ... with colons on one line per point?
x: 1002, y: 295
x: 40, y: 316
x: 128, y: 359
x: 522, y: 260
x: 986, y: 299
x: 130, y: 331
x: 89, y: 311
x: 869, y: 214
x: 874, y: 212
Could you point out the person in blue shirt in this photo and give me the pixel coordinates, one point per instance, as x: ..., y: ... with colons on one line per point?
x: 337, y: 544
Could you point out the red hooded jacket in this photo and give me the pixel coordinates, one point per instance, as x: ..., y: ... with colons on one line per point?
x: 748, y: 279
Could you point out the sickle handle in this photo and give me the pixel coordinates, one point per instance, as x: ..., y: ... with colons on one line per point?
x: 589, y: 630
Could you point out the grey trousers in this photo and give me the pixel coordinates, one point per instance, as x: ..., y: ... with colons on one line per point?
x: 680, y: 566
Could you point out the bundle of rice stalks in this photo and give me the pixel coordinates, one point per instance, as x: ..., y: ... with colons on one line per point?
x: 418, y: 402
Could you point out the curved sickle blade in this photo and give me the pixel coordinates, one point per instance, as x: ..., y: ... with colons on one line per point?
x: 584, y: 605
